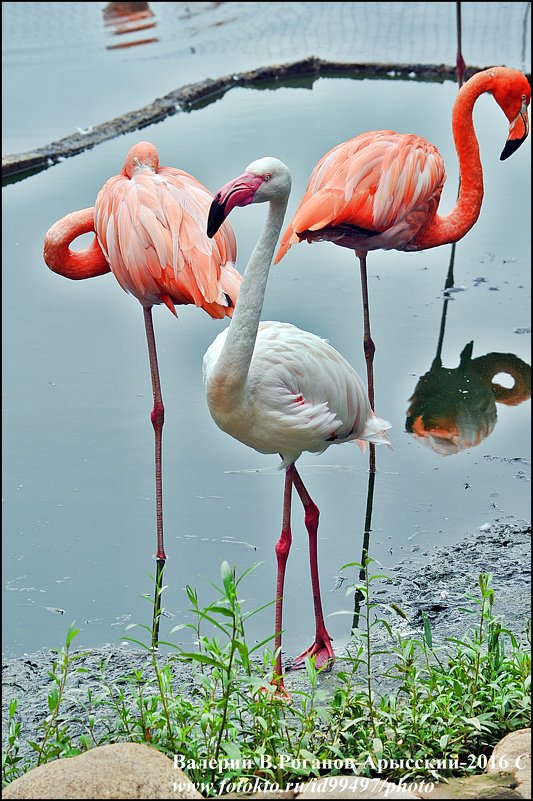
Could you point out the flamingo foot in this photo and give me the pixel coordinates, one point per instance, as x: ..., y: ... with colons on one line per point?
x: 276, y: 689
x: 322, y: 652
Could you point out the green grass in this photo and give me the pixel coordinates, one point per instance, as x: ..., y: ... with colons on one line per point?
x: 448, y: 707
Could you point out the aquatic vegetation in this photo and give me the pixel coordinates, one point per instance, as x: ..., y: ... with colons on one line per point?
x: 445, y: 703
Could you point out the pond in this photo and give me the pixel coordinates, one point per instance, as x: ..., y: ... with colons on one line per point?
x: 78, y: 443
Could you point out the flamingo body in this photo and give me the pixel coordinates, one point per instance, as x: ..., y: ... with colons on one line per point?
x: 150, y: 232
x: 150, y: 222
x: 300, y: 395
x: 374, y: 192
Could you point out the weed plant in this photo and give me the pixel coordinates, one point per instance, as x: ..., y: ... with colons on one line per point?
x: 447, y: 709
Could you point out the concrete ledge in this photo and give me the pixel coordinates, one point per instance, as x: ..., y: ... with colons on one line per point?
x: 186, y: 97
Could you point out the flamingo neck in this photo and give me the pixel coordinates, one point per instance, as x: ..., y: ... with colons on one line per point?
x: 234, y: 361
x: 74, y: 264
x: 453, y: 226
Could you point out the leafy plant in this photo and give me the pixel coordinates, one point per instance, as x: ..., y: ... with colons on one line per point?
x: 234, y: 731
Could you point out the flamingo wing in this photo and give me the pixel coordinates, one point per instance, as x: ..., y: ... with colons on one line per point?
x: 301, y: 395
x: 382, y: 184
x: 152, y: 229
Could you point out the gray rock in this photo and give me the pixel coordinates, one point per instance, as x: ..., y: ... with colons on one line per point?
x: 123, y: 770
x: 513, y: 755
x: 481, y: 786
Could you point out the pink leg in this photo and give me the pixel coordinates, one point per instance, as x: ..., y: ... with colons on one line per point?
x: 283, y: 547
x: 321, y: 648
x: 369, y: 348
x: 158, y: 418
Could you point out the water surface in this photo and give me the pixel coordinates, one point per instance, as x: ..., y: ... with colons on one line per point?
x: 78, y: 477
x: 70, y: 66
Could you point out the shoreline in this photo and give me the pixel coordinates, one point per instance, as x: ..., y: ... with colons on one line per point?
x: 436, y: 585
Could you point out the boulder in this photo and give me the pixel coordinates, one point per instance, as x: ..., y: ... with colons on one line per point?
x: 122, y: 770
x: 513, y: 755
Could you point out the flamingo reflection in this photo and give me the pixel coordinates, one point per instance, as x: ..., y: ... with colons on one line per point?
x: 127, y: 18
x: 453, y: 409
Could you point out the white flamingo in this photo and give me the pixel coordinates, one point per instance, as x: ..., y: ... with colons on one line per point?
x: 279, y: 389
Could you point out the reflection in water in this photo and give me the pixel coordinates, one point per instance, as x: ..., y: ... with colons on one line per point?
x: 459, y: 62
x: 127, y: 18
x: 359, y: 595
x: 448, y: 284
x: 455, y: 409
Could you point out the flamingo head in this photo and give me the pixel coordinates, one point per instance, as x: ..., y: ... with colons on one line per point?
x: 143, y: 154
x: 266, y: 179
x: 512, y: 92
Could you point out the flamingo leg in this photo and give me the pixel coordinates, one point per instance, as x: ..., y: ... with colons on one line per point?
x: 283, y: 547
x: 321, y: 648
x: 369, y: 348
x: 459, y: 62
x: 158, y: 418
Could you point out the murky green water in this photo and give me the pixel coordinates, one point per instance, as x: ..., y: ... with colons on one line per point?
x: 78, y: 473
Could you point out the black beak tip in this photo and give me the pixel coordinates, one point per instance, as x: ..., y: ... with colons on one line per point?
x: 510, y: 147
x: 215, y: 218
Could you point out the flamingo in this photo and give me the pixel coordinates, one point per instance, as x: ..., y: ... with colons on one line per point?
x: 381, y: 190
x: 150, y: 223
x: 279, y: 389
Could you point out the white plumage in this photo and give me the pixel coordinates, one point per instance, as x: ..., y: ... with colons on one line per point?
x: 300, y: 395
x: 279, y: 389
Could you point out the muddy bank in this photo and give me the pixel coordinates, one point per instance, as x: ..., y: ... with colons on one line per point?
x: 436, y: 584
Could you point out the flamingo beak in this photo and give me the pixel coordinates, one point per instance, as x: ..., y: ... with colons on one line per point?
x: 239, y: 192
x: 518, y: 131
x: 217, y: 215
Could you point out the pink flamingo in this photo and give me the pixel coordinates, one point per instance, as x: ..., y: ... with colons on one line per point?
x: 150, y: 232
x: 279, y: 389
x: 381, y: 190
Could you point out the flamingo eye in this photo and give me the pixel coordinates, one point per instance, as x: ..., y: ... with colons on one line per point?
x: 267, y: 176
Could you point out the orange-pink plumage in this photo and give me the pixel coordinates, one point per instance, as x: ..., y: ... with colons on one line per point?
x: 150, y: 231
x: 382, y: 189
x: 150, y: 222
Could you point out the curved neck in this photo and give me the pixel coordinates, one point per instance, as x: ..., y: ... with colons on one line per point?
x: 453, y: 226
x: 75, y: 264
x: 234, y: 361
